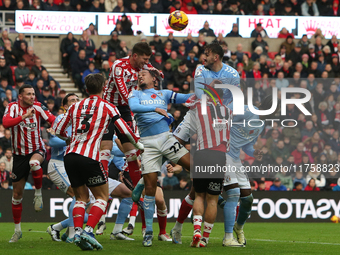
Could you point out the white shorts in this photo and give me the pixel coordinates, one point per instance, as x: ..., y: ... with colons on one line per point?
x: 235, y: 174
x: 157, y: 146
x: 113, y: 184
x: 56, y: 172
x: 186, y: 128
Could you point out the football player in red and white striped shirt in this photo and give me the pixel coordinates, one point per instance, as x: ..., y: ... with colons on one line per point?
x: 23, y: 118
x: 89, y: 118
x: 123, y: 79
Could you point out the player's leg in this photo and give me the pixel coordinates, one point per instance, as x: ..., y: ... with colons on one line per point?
x: 106, y: 146
x: 162, y: 213
x: 198, y: 210
x: 124, y: 192
x: 183, y: 213
x: 132, y: 220
x: 150, y: 180
x: 232, y: 192
x: 246, y: 202
x: 18, y: 190
x: 37, y: 173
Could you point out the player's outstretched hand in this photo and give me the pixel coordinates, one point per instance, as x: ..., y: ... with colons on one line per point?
x: 51, y: 131
x: 162, y: 112
x: 258, y: 154
x: 159, y: 73
x: 29, y: 113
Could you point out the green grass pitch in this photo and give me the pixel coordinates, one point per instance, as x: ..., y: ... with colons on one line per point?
x: 262, y: 238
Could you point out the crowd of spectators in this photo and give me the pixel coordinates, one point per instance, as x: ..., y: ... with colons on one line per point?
x: 230, y: 7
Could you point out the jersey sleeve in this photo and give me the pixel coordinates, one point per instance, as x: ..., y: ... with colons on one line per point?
x: 54, y: 140
x: 8, y: 119
x: 176, y: 98
x: 199, y: 81
x: 64, y: 123
x: 249, y: 148
x: 44, y: 113
x: 120, y: 83
x: 136, y: 106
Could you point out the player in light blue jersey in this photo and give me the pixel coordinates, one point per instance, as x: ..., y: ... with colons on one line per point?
x: 236, y: 182
x: 215, y: 71
x: 57, y: 173
x: 150, y: 109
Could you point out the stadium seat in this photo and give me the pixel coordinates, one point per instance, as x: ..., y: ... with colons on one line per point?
x: 268, y: 184
x: 13, y: 69
x: 272, y: 54
x: 248, y: 53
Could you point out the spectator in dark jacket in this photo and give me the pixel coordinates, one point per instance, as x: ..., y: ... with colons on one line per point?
x: 192, y: 61
x: 49, y: 6
x: 189, y: 43
x: 234, y: 31
x: 10, y: 54
x: 168, y: 73
x: 64, y: 49
x: 206, y: 30
x: 66, y: 6
x: 21, y: 71
x: 87, y: 44
x: 259, y: 30
x: 157, y: 61
x: 29, y: 57
x: 114, y: 42
x: 260, y: 42
x: 122, y: 51
x: 5, y: 71
x: 180, y: 74
x: 18, y: 41
x: 78, y: 68
x: 104, y: 51
x: 174, y: 42
x: 38, y: 67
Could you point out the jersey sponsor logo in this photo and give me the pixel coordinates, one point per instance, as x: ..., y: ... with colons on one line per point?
x: 198, y: 72
x: 162, y: 102
x: 28, y: 125
x: 118, y: 71
x: 44, y: 107
x: 13, y: 176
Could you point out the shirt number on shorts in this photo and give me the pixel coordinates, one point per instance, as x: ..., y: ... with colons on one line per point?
x: 85, y: 122
x: 176, y: 147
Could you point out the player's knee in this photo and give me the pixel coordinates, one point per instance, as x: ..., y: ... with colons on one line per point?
x: 233, y: 195
x: 247, y: 201
x: 34, y: 164
x: 160, y: 203
x: 106, y: 145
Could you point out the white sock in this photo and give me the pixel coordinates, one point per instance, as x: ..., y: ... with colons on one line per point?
x: 58, y: 226
x: 132, y: 220
x: 228, y: 236
x: 239, y: 226
x: 178, y: 226
x: 71, y: 232
x: 118, y: 228
x: 88, y: 229
x: 37, y: 192
x: 17, y: 227
x: 102, y: 218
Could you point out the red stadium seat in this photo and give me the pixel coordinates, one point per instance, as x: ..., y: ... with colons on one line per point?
x: 272, y: 54
x: 13, y: 75
x: 268, y: 184
x: 248, y: 53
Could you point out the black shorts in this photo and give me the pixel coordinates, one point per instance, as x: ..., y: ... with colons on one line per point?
x: 210, y: 186
x: 83, y: 170
x: 205, y: 182
x: 125, y: 114
x: 21, y: 165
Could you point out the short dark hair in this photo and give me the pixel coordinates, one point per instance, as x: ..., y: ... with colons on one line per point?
x: 65, y: 100
x: 142, y: 48
x: 216, y: 49
x: 23, y: 87
x: 50, y: 101
x: 94, y: 83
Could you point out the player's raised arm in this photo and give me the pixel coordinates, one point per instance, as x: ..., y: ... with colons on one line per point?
x: 44, y: 113
x: 64, y: 123
x: 9, y: 121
